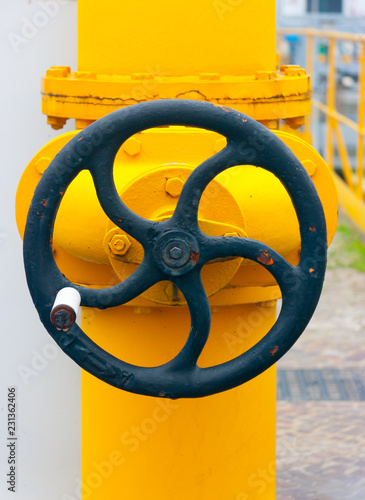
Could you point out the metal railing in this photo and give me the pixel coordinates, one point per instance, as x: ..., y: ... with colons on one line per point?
x: 350, y: 182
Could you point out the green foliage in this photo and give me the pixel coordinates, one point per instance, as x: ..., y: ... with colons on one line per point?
x: 348, y: 247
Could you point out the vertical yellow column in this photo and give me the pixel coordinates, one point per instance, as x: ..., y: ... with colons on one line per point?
x: 221, y: 447
x: 217, y: 448
x: 230, y: 37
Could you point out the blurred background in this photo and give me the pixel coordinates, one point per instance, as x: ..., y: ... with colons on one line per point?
x: 321, y: 382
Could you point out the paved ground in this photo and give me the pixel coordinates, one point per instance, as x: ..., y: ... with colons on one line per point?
x: 321, y: 443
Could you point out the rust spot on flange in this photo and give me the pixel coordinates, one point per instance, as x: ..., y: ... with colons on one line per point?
x: 265, y: 258
x: 312, y: 228
x: 44, y: 202
x: 311, y: 270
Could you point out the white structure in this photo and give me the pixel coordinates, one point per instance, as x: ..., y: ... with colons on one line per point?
x: 34, y: 36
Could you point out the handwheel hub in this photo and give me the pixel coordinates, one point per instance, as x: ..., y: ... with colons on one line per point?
x: 176, y: 252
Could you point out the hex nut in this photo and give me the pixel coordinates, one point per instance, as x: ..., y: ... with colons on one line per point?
x: 132, y: 146
x: 310, y: 167
x: 119, y: 244
x: 295, y: 122
x: 292, y: 70
x: 81, y: 124
x: 42, y: 163
x: 219, y: 145
x: 174, y: 186
x: 56, y: 122
x: 58, y: 71
x: 265, y: 75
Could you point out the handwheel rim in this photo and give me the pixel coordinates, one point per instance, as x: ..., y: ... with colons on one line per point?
x: 180, y: 377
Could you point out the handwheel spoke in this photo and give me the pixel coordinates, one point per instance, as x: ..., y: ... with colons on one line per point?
x: 113, y: 206
x: 145, y: 276
x: 192, y: 289
x: 186, y: 211
x: 286, y: 275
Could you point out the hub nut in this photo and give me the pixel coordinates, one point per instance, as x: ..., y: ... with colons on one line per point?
x: 175, y: 253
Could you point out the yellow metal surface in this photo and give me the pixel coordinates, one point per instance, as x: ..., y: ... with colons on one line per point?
x: 220, y: 447
x: 245, y: 200
x: 354, y: 207
x: 264, y: 95
x: 323, y: 33
x: 176, y: 39
x: 204, y: 51
x: 156, y: 186
x: 361, y: 120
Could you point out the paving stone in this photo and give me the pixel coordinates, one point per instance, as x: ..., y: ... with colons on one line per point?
x: 321, y: 407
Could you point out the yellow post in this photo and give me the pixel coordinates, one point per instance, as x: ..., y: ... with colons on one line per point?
x: 331, y: 99
x: 223, y: 446
x: 310, y: 71
x: 219, y: 447
x: 361, y: 113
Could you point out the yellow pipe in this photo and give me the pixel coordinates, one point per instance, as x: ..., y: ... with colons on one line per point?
x: 309, y: 68
x: 347, y: 171
x: 220, y: 447
x: 354, y: 207
x: 338, y: 116
x: 361, y: 113
x: 331, y: 100
x: 319, y: 33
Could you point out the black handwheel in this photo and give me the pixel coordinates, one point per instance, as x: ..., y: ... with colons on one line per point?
x: 176, y: 249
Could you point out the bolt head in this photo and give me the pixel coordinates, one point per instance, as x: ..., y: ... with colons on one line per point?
x: 56, y: 122
x: 174, y: 186
x: 175, y: 253
x: 266, y: 75
x: 219, y: 145
x: 42, y: 163
x: 58, y: 71
x: 119, y: 244
x: 132, y: 146
x: 310, y: 167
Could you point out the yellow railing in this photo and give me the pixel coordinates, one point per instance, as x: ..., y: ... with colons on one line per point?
x: 351, y: 185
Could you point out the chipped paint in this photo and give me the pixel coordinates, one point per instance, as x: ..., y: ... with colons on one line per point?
x: 194, y: 256
x: 265, y: 258
x: 274, y: 350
